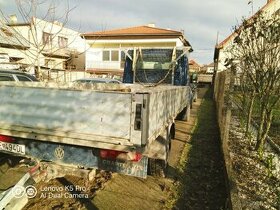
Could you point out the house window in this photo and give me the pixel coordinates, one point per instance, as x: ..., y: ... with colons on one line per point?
x: 47, y: 38
x: 110, y: 55
x: 62, y: 42
x: 114, y: 55
x: 106, y: 55
x: 123, y: 56
x: 49, y: 63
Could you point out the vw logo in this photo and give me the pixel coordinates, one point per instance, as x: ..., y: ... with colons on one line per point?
x: 59, y: 152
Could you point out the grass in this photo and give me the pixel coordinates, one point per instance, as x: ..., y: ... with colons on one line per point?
x: 201, y: 183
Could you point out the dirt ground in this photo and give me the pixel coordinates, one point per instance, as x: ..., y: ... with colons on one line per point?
x: 200, y: 185
x: 258, y: 186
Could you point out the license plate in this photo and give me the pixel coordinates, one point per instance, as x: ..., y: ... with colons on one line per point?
x: 14, y: 148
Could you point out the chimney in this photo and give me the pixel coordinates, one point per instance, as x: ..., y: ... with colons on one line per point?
x: 13, y: 19
x: 151, y: 25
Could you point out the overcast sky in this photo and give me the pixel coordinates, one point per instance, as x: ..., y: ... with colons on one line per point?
x: 199, y: 19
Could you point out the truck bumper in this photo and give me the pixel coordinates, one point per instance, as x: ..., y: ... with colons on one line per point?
x: 78, y: 156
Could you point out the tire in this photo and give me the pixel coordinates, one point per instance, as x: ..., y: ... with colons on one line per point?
x: 184, y: 114
x: 181, y: 115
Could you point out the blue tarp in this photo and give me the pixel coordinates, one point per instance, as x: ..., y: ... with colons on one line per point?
x: 128, y: 73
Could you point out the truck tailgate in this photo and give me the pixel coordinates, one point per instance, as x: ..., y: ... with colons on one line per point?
x: 30, y: 110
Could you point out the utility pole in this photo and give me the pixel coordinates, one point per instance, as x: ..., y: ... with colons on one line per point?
x: 216, y: 61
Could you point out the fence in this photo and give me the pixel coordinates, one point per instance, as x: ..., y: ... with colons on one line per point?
x: 222, y: 88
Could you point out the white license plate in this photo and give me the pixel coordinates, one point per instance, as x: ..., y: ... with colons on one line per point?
x: 10, y: 147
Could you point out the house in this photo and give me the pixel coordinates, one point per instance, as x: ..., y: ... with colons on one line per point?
x: 107, y: 48
x: 220, y: 56
x: 58, y: 53
x: 12, y: 48
x: 194, y: 67
x: 209, y: 68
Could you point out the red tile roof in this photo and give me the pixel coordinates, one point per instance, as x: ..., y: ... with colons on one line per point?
x: 193, y: 63
x: 138, y: 30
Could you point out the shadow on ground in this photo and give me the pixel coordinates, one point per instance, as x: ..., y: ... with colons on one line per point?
x: 202, y: 178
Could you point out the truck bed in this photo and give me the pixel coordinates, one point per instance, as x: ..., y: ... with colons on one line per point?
x: 99, y: 115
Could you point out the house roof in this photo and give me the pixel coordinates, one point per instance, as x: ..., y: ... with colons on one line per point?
x: 211, y: 64
x: 264, y: 8
x: 138, y: 32
x: 193, y: 63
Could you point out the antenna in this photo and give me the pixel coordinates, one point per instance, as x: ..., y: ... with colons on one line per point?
x: 13, y: 19
x: 252, y: 5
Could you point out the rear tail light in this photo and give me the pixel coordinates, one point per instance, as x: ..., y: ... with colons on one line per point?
x: 137, y: 157
x: 109, y: 154
x: 4, y: 138
x: 118, y: 155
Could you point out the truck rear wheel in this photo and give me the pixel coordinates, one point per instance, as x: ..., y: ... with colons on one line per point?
x: 184, y: 114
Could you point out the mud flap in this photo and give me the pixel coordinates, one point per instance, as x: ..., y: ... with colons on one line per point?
x: 158, y: 155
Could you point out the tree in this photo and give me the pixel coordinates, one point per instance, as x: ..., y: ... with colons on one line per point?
x: 47, y: 36
x: 256, y: 47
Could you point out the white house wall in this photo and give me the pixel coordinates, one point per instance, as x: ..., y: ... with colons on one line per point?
x: 221, y: 62
x: 272, y: 7
x: 75, y: 43
x: 13, y: 52
x: 94, y: 59
x: 94, y: 54
x: 74, y: 39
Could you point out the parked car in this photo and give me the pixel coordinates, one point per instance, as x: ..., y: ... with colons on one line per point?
x: 16, y: 75
x: 96, y: 80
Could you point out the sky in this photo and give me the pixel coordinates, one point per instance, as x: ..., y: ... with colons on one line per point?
x: 202, y: 21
